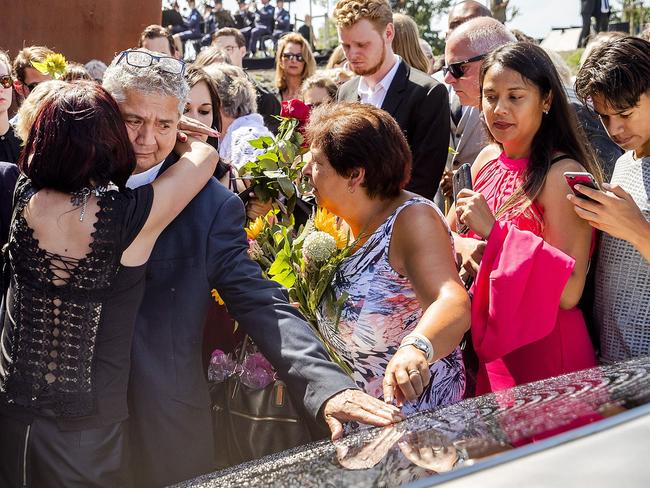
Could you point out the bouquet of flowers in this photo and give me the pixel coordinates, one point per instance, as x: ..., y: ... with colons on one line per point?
x: 304, y: 263
x: 272, y: 173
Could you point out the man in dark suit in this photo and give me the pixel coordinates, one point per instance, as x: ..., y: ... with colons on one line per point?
x: 600, y: 10
x: 205, y: 247
x: 418, y: 103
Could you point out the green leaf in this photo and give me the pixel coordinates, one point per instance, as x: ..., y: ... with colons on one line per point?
x: 267, y: 164
x: 261, y: 142
x: 286, y: 187
x: 286, y: 278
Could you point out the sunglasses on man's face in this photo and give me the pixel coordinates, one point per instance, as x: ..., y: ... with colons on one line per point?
x: 6, y: 81
x: 291, y: 56
x: 457, y: 70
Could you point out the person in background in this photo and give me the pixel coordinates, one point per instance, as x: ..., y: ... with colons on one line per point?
x: 233, y: 42
x: 282, y: 22
x: 264, y: 19
x: 240, y: 122
x: 75, y: 72
x: 406, y: 43
x: 158, y: 39
x: 600, y: 10
x: 318, y: 89
x: 223, y: 17
x: 96, y: 69
x: 26, y: 77
x: 244, y: 18
x: 405, y: 310
x: 172, y: 18
x: 211, y: 55
x: 307, y: 31
x: 428, y: 53
x: 337, y: 59
x: 615, y: 78
x: 191, y: 31
x: 9, y: 143
x: 294, y: 63
x: 418, y: 103
x: 463, y: 11
x: 537, y: 249
x: 29, y: 109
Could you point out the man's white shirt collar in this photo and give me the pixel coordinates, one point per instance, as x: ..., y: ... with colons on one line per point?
x: 376, y: 96
x: 144, y: 178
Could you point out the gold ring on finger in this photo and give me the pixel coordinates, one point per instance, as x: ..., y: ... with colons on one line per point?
x: 414, y: 371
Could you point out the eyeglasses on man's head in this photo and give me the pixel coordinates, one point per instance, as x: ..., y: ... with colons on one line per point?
x: 457, y: 70
x: 143, y: 59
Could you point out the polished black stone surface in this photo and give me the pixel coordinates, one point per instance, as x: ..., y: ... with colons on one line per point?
x: 452, y: 437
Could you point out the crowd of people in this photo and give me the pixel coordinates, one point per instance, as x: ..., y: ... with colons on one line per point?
x: 121, y: 208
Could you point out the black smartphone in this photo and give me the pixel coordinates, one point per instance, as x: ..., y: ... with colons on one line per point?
x: 462, y: 179
x: 245, y: 195
x: 582, y: 178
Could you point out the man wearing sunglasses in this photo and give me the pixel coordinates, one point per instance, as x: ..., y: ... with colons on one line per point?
x: 26, y: 77
x: 205, y: 248
x: 418, y: 103
x: 467, y: 45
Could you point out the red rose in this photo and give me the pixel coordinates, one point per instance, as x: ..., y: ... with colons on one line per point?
x: 296, y: 109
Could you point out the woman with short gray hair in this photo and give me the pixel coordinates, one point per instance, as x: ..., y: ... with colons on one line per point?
x: 240, y: 122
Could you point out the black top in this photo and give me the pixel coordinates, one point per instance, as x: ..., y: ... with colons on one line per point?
x: 68, y: 340
x: 9, y: 146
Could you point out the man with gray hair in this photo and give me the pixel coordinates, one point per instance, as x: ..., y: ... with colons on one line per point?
x: 205, y: 248
x: 465, y: 49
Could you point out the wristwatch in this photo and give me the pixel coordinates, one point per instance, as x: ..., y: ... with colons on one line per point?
x: 419, y: 342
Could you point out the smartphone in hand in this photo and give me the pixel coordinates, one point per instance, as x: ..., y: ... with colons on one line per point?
x: 581, y: 178
x: 462, y: 179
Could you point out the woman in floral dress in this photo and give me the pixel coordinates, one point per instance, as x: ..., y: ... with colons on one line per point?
x: 405, y: 310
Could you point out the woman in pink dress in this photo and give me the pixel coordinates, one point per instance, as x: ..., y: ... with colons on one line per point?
x: 532, y: 248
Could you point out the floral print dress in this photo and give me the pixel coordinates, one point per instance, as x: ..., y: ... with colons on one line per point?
x: 380, y: 309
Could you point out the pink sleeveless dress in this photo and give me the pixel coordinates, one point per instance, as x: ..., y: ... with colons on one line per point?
x: 519, y: 332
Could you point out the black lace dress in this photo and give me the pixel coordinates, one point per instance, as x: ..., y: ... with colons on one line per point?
x: 66, y: 343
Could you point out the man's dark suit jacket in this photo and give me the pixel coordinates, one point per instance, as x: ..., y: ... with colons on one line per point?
x: 420, y: 105
x: 205, y: 247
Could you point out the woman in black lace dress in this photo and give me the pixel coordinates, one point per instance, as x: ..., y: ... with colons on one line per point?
x: 78, y: 247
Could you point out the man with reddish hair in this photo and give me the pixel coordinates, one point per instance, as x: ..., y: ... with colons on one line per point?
x: 418, y: 103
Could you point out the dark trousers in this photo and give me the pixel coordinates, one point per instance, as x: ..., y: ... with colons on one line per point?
x: 601, y: 25
x: 256, y: 35
x: 40, y: 455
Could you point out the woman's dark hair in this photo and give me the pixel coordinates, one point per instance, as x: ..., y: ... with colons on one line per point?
x: 559, y: 131
x: 618, y: 71
x: 356, y: 135
x: 78, y: 140
x: 196, y: 75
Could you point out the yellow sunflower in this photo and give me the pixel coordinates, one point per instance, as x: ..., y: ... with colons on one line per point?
x: 325, y: 221
x: 255, y: 228
x: 54, y: 65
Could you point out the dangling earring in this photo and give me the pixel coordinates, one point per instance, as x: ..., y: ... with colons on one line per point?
x: 350, y: 189
x: 545, y: 112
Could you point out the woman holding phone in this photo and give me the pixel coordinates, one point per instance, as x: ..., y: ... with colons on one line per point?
x: 525, y: 323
